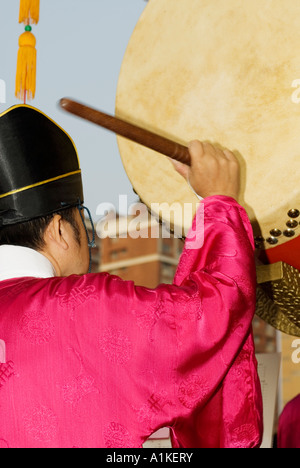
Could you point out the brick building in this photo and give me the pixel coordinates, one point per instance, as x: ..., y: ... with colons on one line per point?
x: 139, y: 250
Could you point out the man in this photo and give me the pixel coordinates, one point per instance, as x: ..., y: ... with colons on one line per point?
x: 89, y: 360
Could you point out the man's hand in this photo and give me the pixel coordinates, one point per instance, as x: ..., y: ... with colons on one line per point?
x: 212, y: 171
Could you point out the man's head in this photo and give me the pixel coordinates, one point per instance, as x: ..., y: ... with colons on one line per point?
x: 41, y: 189
x: 61, y: 237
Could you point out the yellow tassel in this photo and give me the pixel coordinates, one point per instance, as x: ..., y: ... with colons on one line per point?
x: 26, y: 67
x: 29, y: 11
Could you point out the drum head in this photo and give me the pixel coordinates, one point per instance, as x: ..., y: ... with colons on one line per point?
x: 223, y: 71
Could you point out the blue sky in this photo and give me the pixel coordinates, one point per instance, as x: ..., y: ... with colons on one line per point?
x: 80, y: 46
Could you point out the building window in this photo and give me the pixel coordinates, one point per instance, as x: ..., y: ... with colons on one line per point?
x: 166, y: 248
x: 167, y: 272
x: 115, y: 254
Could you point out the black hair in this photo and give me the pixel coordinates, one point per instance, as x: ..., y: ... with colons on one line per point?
x: 31, y: 233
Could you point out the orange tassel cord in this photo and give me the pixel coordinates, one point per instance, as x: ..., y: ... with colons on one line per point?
x: 26, y: 63
x: 29, y: 11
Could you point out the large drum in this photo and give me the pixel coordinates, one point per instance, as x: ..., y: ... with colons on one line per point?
x: 225, y: 71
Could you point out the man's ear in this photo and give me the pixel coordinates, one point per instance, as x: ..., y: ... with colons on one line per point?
x: 56, y: 233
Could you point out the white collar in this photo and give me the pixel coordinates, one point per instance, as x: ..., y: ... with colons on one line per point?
x: 20, y: 262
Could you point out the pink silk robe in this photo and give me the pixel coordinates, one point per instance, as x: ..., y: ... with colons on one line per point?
x: 289, y: 425
x: 94, y: 361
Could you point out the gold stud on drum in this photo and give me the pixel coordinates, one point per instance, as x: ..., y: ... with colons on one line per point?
x: 294, y: 213
x: 292, y: 224
x: 275, y: 233
x: 289, y: 233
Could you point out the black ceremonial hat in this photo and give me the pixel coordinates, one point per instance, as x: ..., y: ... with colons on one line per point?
x: 39, y: 167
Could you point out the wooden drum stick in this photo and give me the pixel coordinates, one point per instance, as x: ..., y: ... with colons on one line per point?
x: 132, y: 132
